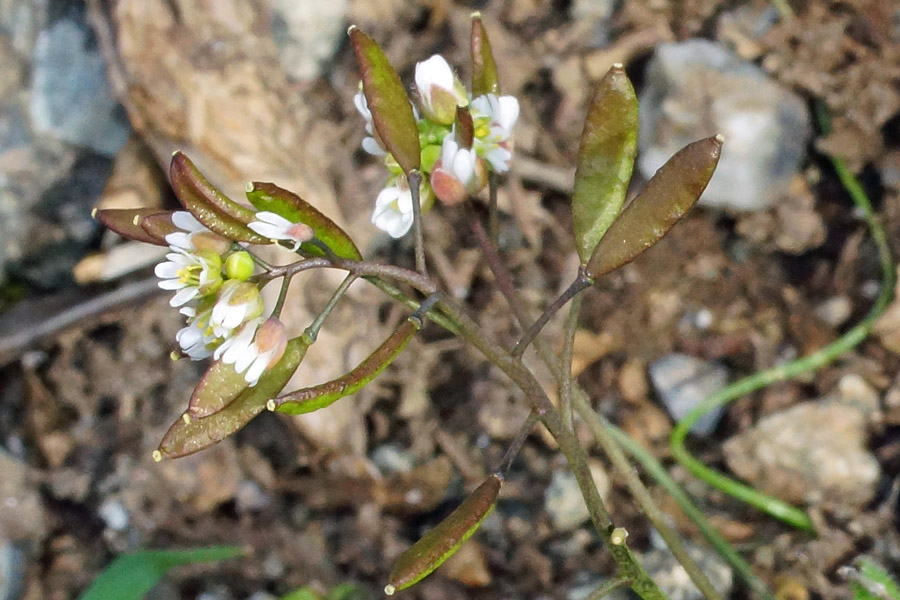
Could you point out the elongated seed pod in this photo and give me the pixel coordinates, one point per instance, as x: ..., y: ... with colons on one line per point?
x: 127, y: 222
x: 484, y: 69
x: 319, y: 396
x: 209, y: 204
x: 667, y: 197
x: 444, y: 540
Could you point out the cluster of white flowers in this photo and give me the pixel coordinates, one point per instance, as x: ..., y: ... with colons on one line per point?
x: 453, y: 169
x: 224, y: 310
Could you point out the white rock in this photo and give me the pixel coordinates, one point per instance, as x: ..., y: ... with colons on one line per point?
x: 683, y: 382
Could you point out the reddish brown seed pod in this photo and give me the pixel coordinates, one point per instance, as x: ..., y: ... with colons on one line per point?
x: 444, y: 540
x: 668, y: 196
x: 127, y: 222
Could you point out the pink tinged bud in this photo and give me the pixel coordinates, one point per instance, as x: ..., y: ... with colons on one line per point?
x: 447, y: 187
x: 300, y: 232
x: 271, y: 339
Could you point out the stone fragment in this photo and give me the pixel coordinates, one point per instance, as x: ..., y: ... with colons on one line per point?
x: 696, y: 89
x: 682, y: 382
x: 813, y: 452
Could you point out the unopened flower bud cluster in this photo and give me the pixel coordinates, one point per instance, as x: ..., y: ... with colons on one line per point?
x: 453, y: 170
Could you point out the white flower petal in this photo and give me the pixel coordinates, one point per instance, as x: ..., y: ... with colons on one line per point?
x: 184, y: 220
x: 273, y: 232
x: 434, y: 71
x: 183, y: 296
x: 256, y: 369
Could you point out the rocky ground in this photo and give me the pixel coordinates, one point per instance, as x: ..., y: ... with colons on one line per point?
x: 94, y: 98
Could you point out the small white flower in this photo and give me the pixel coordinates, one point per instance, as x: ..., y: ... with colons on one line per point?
x: 237, y: 303
x: 458, y: 172
x: 369, y: 143
x: 494, y: 118
x: 190, y: 273
x: 439, y: 91
x: 276, y: 227
x: 196, y: 339
x: 257, y: 346
x: 393, y: 211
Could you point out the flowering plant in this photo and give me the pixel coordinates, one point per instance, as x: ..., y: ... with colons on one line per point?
x: 448, y: 144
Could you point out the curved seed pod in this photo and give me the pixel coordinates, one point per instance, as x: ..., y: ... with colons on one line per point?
x: 484, y: 69
x: 444, y: 540
x: 211, y: 207
x: 127, y: 222
x: 218, y: 387
x: 313, y: 398
x: 188, y: 435
x: 392, y: 113
x: 605, y: 160
x: 159, y: 224
x: 270, y: 197
x: 668, y: 196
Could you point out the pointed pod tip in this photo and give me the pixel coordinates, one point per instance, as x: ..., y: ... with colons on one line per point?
x: 94, y: 212
x: 618, y: 66
x: 389, y: 590
x: 351, y: 29
x: 476, y: 15
x: 157, y: 456
x: 250, y: 187
x: 271, y: 406
x: 136, y: 220
x: 720, y: 138
x: 499, y: 476
x: 186, y: 418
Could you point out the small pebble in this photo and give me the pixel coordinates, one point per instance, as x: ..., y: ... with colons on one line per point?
x: 682, y: 382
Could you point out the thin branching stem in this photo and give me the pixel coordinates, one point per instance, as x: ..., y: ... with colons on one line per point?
x: 415, y: 179
x: 581, y: 283
x: 312, y: 332
x: 608, y: 587
x: 565, y: 361
x: 513, y: 450
x: 282, y: 295
x: 493, y: 212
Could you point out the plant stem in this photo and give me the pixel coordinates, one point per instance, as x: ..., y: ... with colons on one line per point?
x: 415, y: 179
x: 510, y: 455
x: 493, y: 214
x: 282, y: 295
x: 565, y: 361
x: 312, y: 332
x: 581, y: 283
x: 609, y: 587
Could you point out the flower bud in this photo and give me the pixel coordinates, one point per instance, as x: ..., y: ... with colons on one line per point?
x: 439, y: 90
x: 239, y: 265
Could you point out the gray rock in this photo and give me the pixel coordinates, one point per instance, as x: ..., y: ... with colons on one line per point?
x: 668, y: 573
x: 12, y: 571
x: 813, y: 452
x: 114, y: 514
x: 251, y: 498
x: 682, y: 382
x: 307, y: 34
x: 696, y: 89
x: 391, y: 459
x: 71, y: 99
x: 22, y: 21
x: 596, y: 12
x: 563, y: 502
x: 22, y: 517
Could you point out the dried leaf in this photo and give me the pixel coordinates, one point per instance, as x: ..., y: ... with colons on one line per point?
x: 605, y: 159
x: 669, y: 195
x: 187, y: 436
x: 484, y: 69
x: 209, y: 205
x: 391, y: 110
x: 313, y: 398
x: 270, y: 197
x: 127, y: 223
x: 444, y: 540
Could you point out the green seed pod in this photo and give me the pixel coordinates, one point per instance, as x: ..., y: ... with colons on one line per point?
x: 209, y: 205
x: 239, y: 265
x: 444, y: 540
x: 392, y: 114
x: 484, y: 69
x: 313, y: 398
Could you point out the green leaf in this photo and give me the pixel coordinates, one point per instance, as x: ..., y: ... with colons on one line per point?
x: 392, y: 113
x: 310, y: 399
x: 484, y: 69
x: 131, y: 576
x: 209, y: 205
x: 127, y: 223
x: 218, y: 387
x: 875, y: 581
x: 187, y: 436
x: 444, y: 540
x: 269, y: 197
x: 668, y: 196
x: 304, y: 593
x: 605, y: 160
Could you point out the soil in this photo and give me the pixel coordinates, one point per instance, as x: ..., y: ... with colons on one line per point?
x: 83, y: 408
